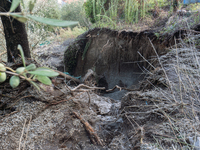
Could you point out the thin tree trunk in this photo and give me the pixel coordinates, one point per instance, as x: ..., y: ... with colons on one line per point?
x: 15, y: 33
x: 175, y: 5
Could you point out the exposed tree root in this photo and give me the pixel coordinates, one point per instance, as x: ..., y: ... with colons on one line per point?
x: 93, y: 135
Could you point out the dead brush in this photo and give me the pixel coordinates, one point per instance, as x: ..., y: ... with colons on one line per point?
x: 182, y: 71
x: 169, y: 116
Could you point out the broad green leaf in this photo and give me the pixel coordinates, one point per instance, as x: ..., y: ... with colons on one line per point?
x: 19, y: 47
x: 44, y: 79
x: 53, y: 22
x: 44, y: 72
x: 19, y: 17
x: 14, y: 5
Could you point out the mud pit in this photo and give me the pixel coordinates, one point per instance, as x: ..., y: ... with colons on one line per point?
x: 117, y: 57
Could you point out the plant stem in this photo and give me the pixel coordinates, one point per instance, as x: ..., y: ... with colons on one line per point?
x: 10, y: 69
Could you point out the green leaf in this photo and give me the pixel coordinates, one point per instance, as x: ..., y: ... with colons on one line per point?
x: 44, y: 79
x: 31, y: 6
x: 14, y: 5
x: 31, y: 67
x: 53, y: 22
x: 44, y: 72
x: 19, y: 47
x: 19, y: 17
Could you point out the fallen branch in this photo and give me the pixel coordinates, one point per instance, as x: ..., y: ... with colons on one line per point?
x: 93, y: 135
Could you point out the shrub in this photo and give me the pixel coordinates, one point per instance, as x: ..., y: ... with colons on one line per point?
x: 131, y: 11
x: 71, y: 33
x: 46, y: 9
x: 38, y: 32
x: 92, y: 9
x: 74, y: 12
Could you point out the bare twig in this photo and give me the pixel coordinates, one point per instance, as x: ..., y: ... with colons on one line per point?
x: 68, y: 77
x: 121, y: 88
x: 22, y: 135
x: 12, y: 73
x: 146, y: 61
x: 27, y: 132
x: 89, y: 99
x: 88, y: 87
x: 163, y: 70
x: 3, y: 53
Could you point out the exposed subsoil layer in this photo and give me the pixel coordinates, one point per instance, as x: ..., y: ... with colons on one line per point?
x: 117, y: 57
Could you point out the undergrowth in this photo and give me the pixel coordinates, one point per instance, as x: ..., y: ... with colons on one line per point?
x: 113, y: 12
x: 182, y: 72
x: 74, y: 11
x: 165, y: 114
x: 69, y: 33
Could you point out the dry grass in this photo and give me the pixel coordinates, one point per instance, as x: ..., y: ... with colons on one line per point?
x: 168, y: 113
x: 182, y: 71
x: 64, y: 34
x: 182, y: 68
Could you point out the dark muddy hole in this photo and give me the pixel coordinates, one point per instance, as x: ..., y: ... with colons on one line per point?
x: 128, y: 77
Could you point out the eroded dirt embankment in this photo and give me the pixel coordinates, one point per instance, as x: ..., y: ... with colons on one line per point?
x: 117, y: 57
x: 104, y: 49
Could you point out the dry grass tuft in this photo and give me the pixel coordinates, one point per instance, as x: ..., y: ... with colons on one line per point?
x: 68, y: 33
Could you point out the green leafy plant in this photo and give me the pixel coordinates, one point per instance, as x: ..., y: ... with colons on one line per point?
x: 128, y: 11
x: 30, y: 73
x: 22, y: 17
x: 93, y: 8
x: 74, y: 11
